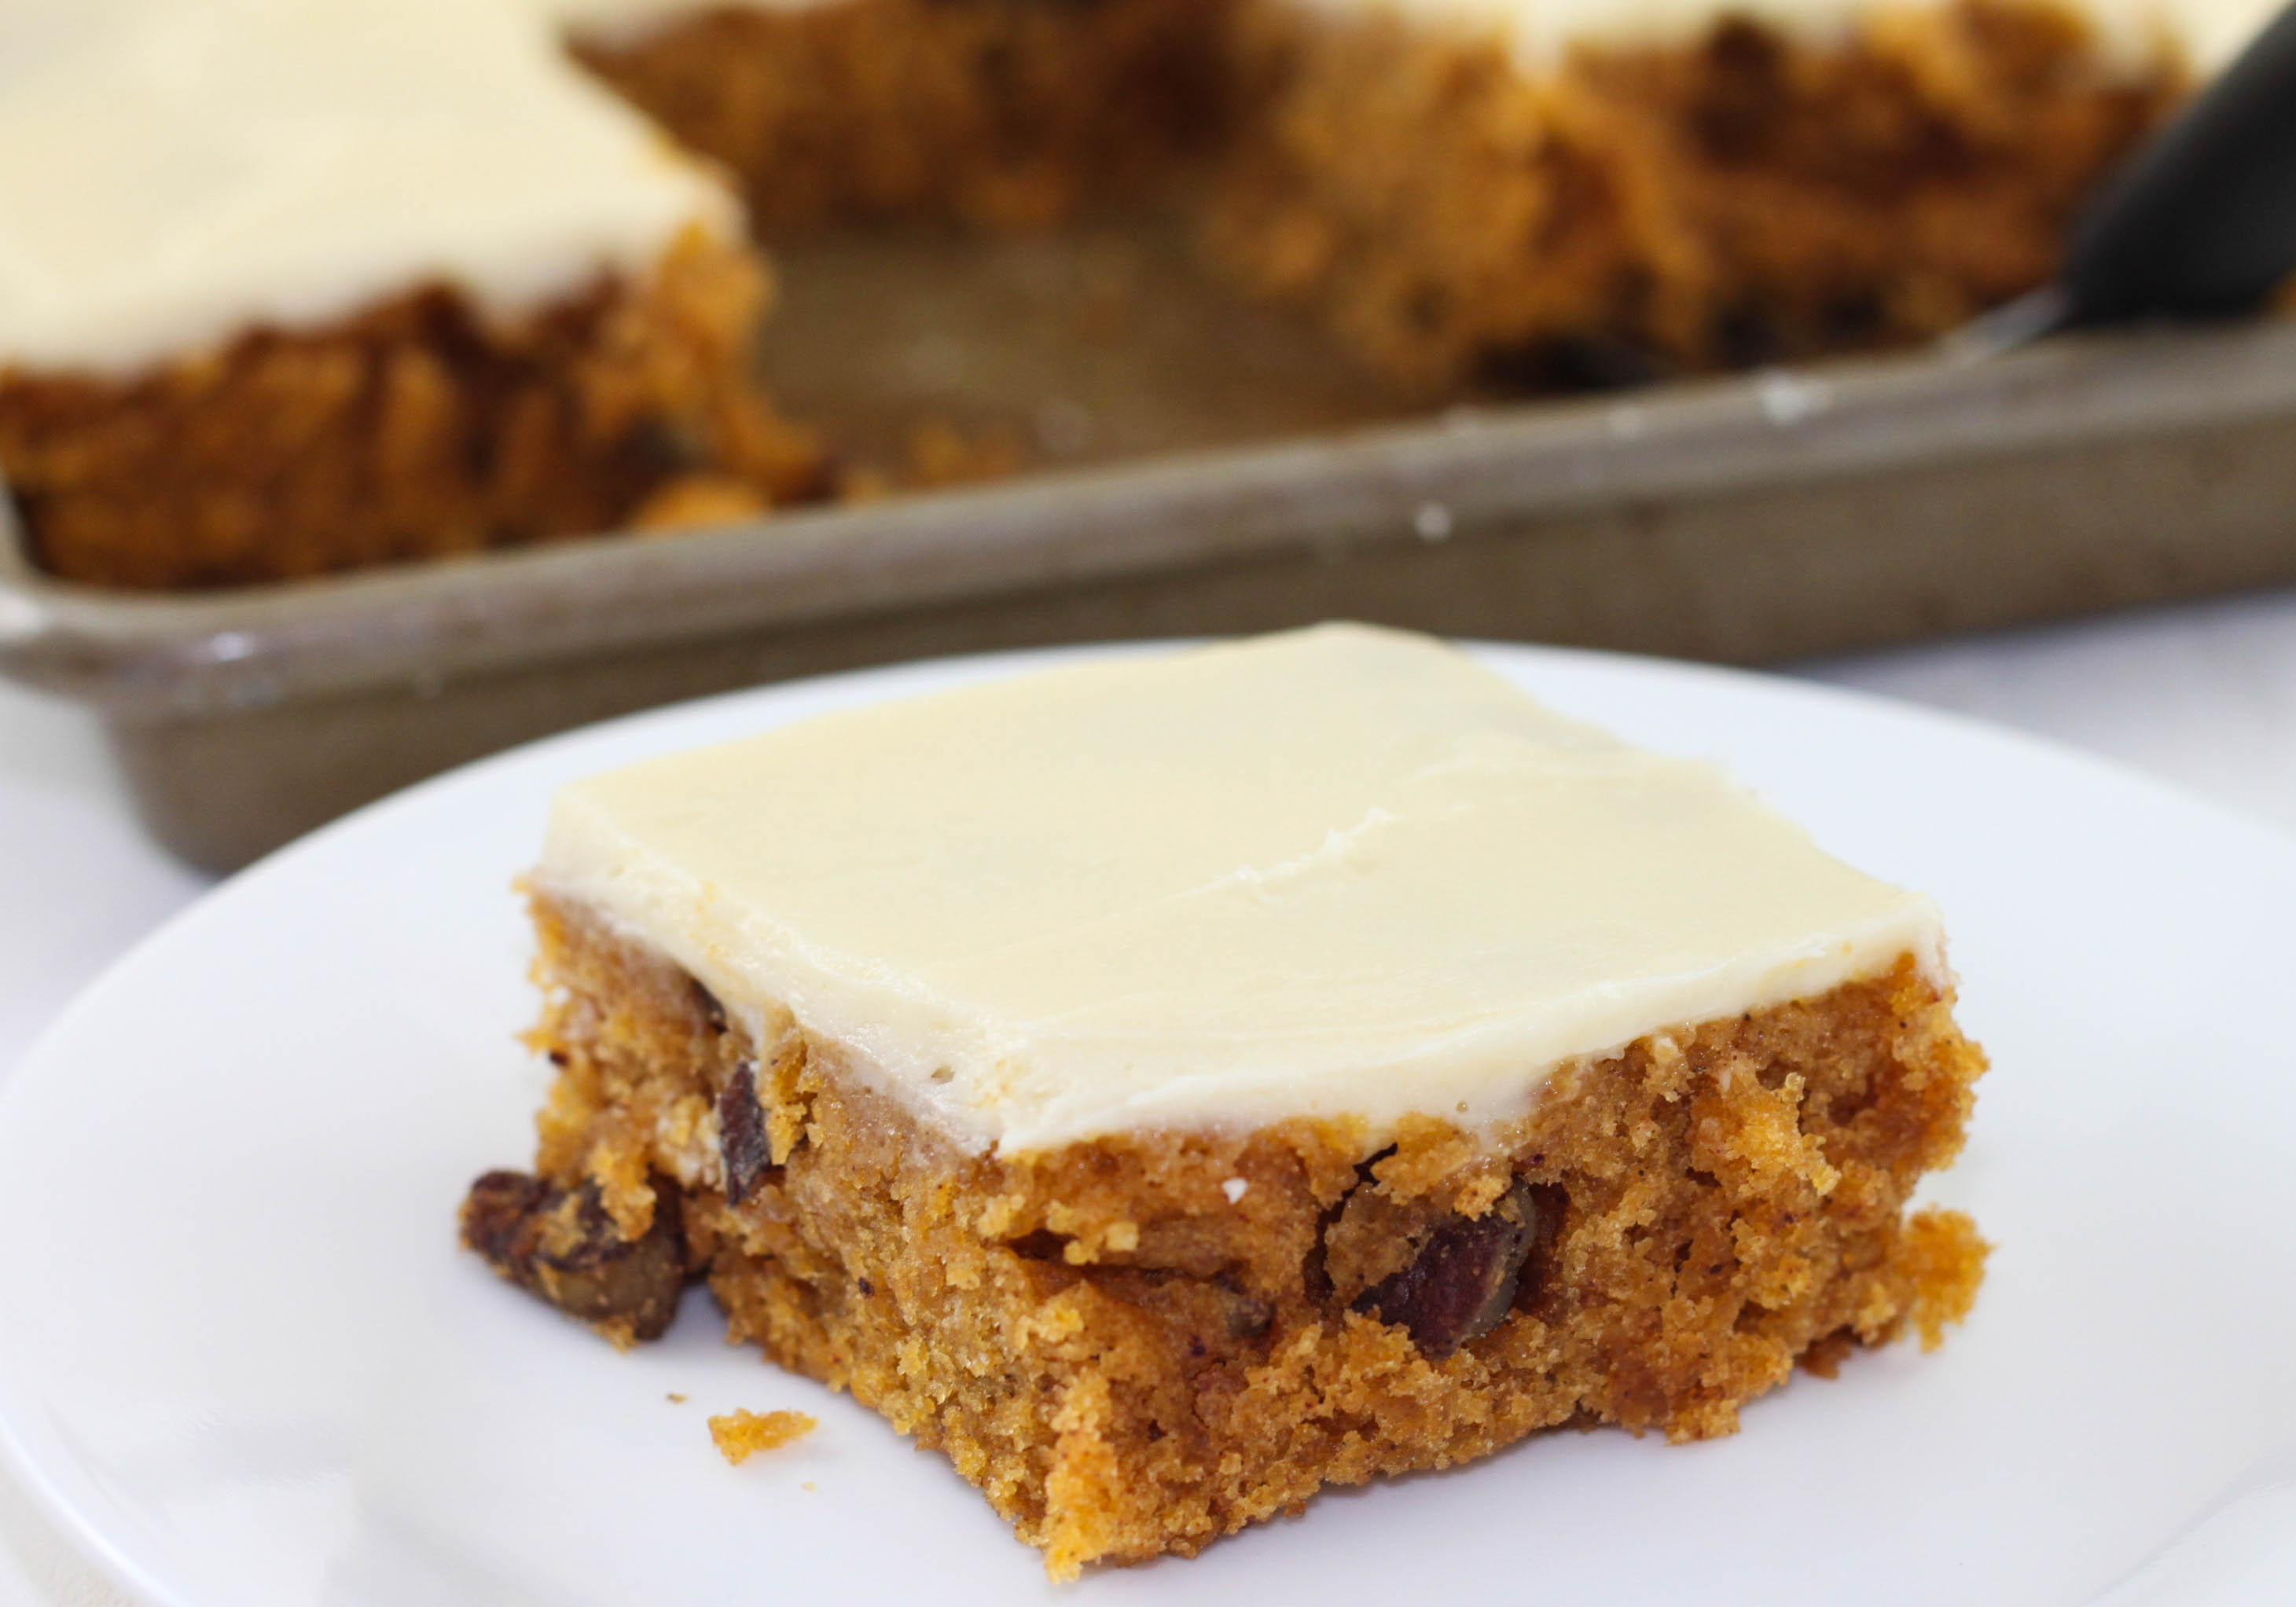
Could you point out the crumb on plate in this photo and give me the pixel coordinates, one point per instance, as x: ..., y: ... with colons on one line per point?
x: 741, y: 1434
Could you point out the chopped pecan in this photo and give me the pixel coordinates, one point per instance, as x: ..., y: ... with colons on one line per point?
x: 1463, y: 1283
x: 561, y: 1245
x: 741, y: 1141
x: 1246, y: 1318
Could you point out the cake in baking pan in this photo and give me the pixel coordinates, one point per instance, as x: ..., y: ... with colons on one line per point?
x: 289, y: 286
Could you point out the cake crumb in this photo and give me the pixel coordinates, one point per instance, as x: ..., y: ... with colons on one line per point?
x: 692, y: 501
x: 741, y: 1434
x: 810, y: 1488
x: 675, y: 1400
x: 1946, y: 1259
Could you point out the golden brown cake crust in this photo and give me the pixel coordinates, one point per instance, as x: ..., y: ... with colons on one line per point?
x: 1748, y: 198
x: 413, y: 429
x: 1002, y: 112
x: 1744, y: 197
x: 1137, y: 1344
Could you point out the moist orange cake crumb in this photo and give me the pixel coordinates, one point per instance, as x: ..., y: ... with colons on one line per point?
x: 741, y: 1434
x: 1746, y: 194
x: 415, y: 429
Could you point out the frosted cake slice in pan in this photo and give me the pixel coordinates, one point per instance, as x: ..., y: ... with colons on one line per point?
x: 289, y: 287
x: 1172, y: 1085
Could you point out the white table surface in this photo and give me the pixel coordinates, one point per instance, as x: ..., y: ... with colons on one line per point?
x: 2203, y: 696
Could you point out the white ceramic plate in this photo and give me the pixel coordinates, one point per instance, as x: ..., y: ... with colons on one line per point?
x: 241, y: 1355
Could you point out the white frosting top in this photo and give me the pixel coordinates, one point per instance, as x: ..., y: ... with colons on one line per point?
x: 2205, y: 33
x: 172, y: 171
x: 2212, y: 32
x: 623, y: 19
x: 1343, y: 871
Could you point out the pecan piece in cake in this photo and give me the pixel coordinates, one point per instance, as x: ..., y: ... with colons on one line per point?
x: 1462, y: 1285
x: 741, y: 1141
x: 561, y: 1245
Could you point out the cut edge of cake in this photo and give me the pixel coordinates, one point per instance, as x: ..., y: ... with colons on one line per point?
x: 1135, y: 1344
x: 420, y: 427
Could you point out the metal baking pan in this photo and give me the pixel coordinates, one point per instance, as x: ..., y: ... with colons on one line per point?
x: 1753, y: 519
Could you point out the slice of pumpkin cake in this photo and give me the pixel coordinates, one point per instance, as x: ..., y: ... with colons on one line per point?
x: 1172, y: 1085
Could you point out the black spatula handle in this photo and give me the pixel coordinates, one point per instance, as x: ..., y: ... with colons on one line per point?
x: 2202, y: 222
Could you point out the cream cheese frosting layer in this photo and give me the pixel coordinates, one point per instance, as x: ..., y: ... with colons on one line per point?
x: 2206, y: 33
x: 617, y: 19
x: 173, y: 171
x: 2132, y: 34
x: 1338, y: 873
